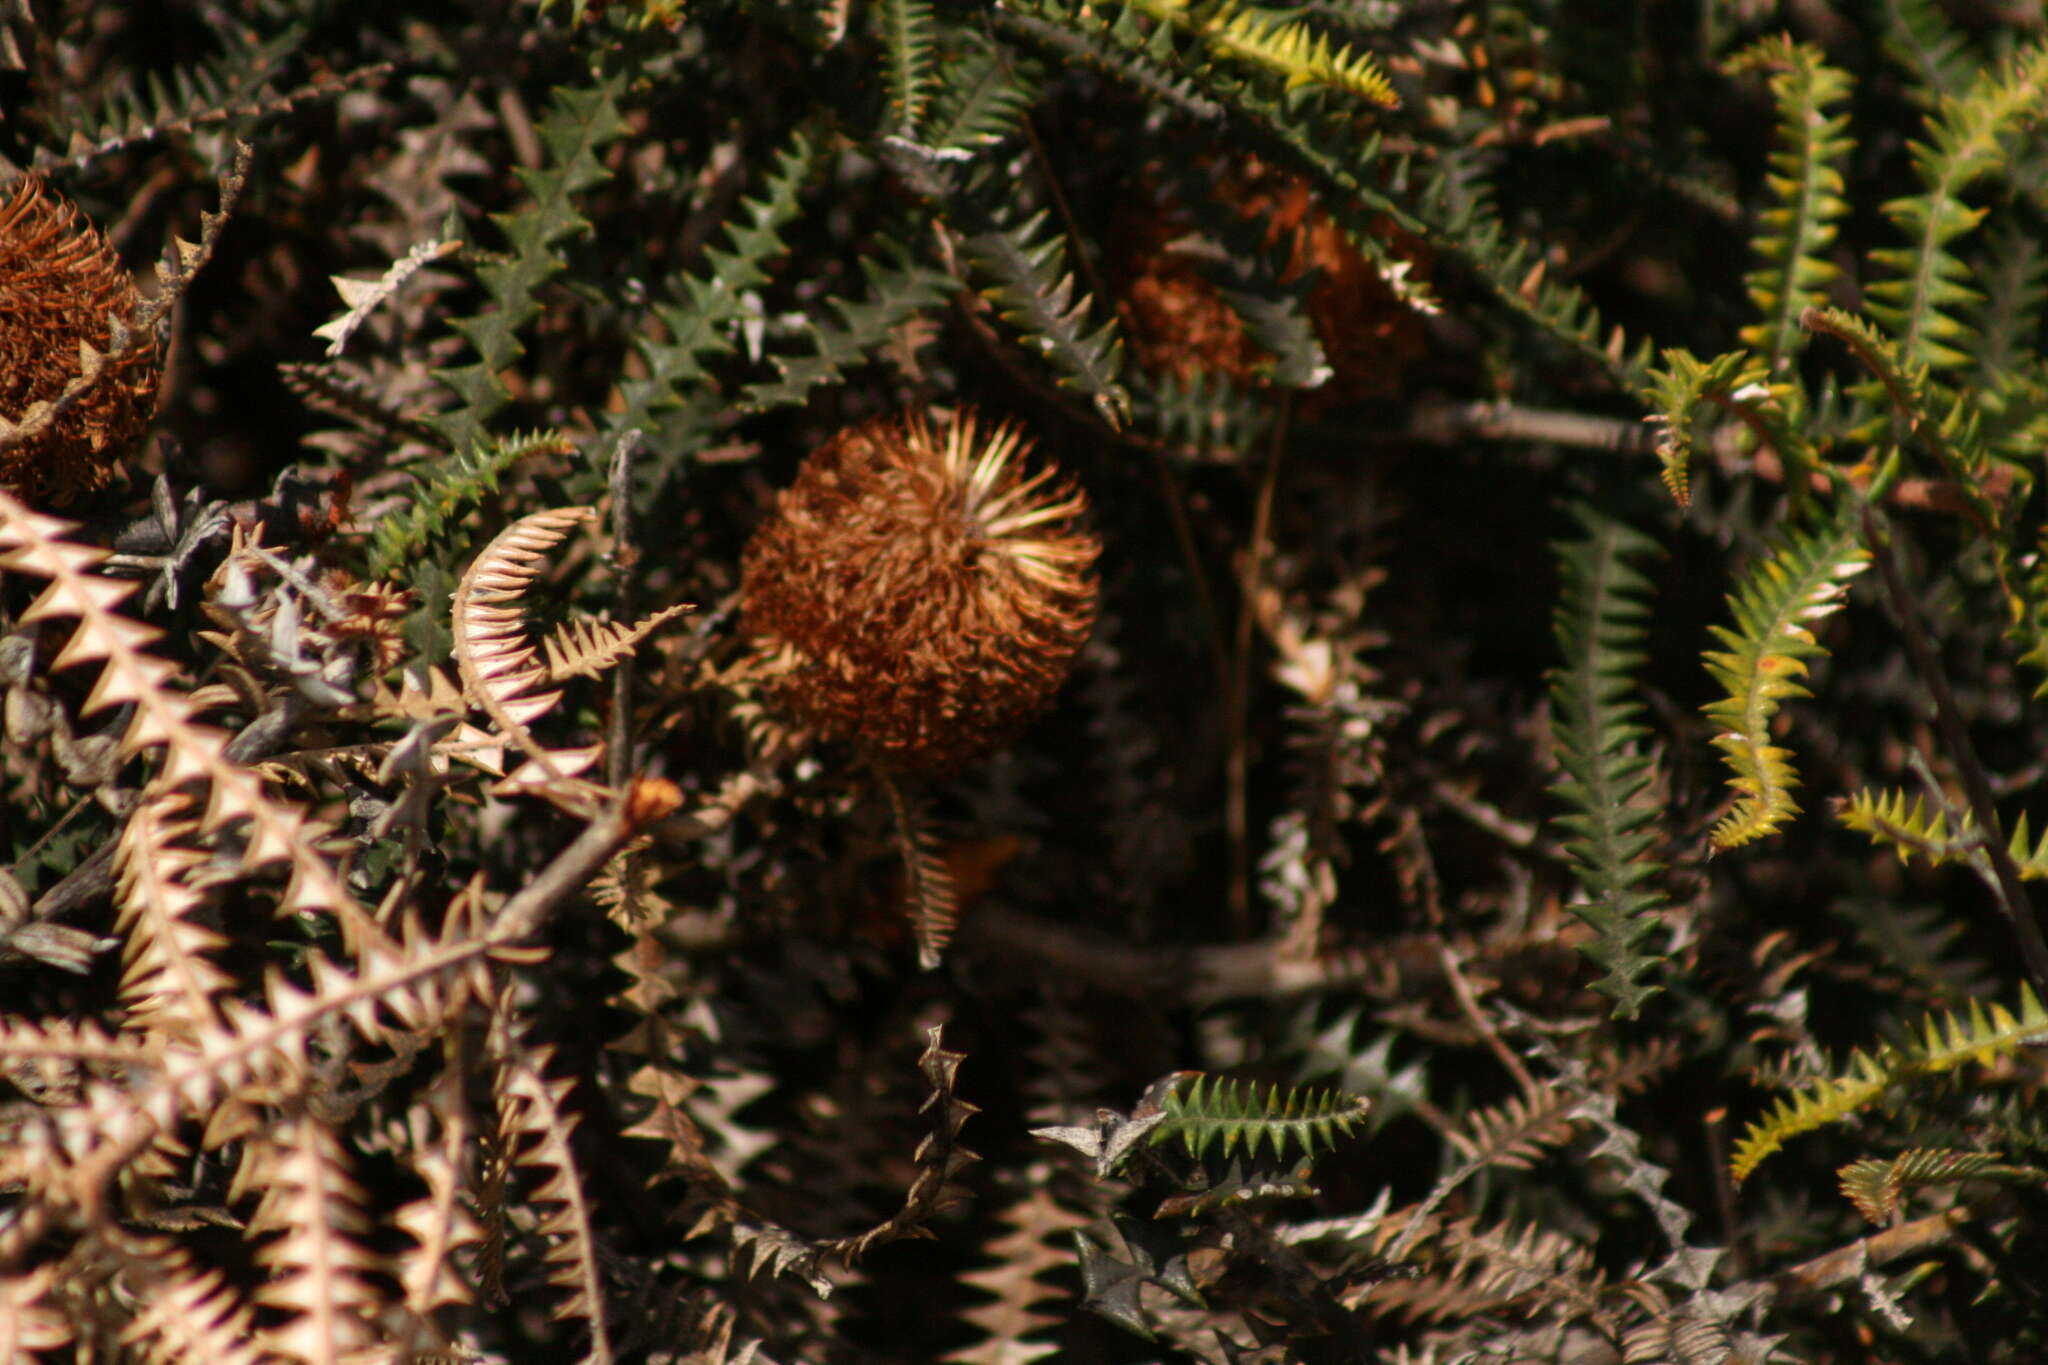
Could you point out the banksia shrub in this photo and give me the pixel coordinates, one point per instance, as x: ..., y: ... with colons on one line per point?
x: 930, y: 590
x: 61, y: 293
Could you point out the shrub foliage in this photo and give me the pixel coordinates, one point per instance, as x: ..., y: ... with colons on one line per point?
x: 1472, y: 799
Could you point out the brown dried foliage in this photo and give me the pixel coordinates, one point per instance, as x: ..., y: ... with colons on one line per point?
x: 62, y: 290
x: 1179, y: 324
x: 932, y: 591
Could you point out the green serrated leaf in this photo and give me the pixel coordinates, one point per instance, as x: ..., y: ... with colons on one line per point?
x: 1596, y: 724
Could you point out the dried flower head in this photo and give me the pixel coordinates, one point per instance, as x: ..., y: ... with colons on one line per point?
x: 930, y: 590
x: 62, y: 295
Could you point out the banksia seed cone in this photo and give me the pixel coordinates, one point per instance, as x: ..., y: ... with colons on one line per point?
x: 930, y: 591
x: 61, y: 289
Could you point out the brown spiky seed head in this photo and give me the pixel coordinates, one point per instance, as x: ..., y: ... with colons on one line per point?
x: 62, y: 290
x: 928, y: 587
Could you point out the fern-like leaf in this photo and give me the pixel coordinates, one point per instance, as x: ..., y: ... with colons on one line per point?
x: 234, y: 86
x: 1874, y: 1184
x: 985, y: 93
x: 1736, y: 384
x: 499, y: 666
x: 2014, y: 274
x: 1289, y: 50
x: 1208, y: 415
x: 1238, y: 261
x: 1207, y: 1111
x: 1520, y: 279
x: 169, y: 979
x: 1944, y: 421
x: 534, y: 1125
x: 1034, y: 292
x: 1925, y: 42
x: 930, y: 897
x: 579, y: 123
x: 1341, y: 162
x: 1943, y: 1044
x: 1120, y: 47
x: 1485, y: 1269
x: 1596, y: 723
x: 319, y: 1265
x: 446, y: 492
x: 896, y: 293
x: 1801, y: 578
x: 437, y: 1223
x: 1011, y: 1324
x: 1906, y: 824
x: 162, y: 718
x: 1440, y: 206
x: 350, y: 395
x: 186, y: 1312
x: 1805, y: 181
x: 714, y: 299
x: 908, y: 37
x: 400, y: 992
x: 1924, y: 287
x: 939, y: 1158
x: 1901, y: 820
x: 364, y: 297
x: 1514, y: 1132
x: 585, y: 649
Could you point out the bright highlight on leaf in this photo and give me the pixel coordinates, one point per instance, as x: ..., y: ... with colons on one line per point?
x: 1290, y: 49
x: 1736, y: 385
x: 1802, y: 579
x: 1921, y: 289
x: 1944, y: 1043
x: 363, y: 296
x: 1908, y: 826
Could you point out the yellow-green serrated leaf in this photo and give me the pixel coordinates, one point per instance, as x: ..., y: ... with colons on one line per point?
x: 1795, y: 232
x: 1943, y: 1043
x: 1289, y: 49
x: 1763, y: 659
x: 1733, y: 385
x: 1903, y: 823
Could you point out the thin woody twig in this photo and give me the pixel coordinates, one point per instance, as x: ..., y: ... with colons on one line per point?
x: 1468, y: 1003
x: 625, y: 559
x: 644, y: 802
x: 1846, y: 1263
x: 1955, y: 736
x: 1236, y: 818
x: 1444, y: 423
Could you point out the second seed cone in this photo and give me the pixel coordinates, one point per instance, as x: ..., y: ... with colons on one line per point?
x: 930, y: 589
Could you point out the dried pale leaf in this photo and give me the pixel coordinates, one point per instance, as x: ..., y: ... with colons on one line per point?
x: 165, y: 717
x: 363, y: 296
x: 319, y: 1267
x: 533, y: 1132
x: 169, y: 977
x: 588, y: 648
x: 28, y: 1322
x: 498, y: 663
